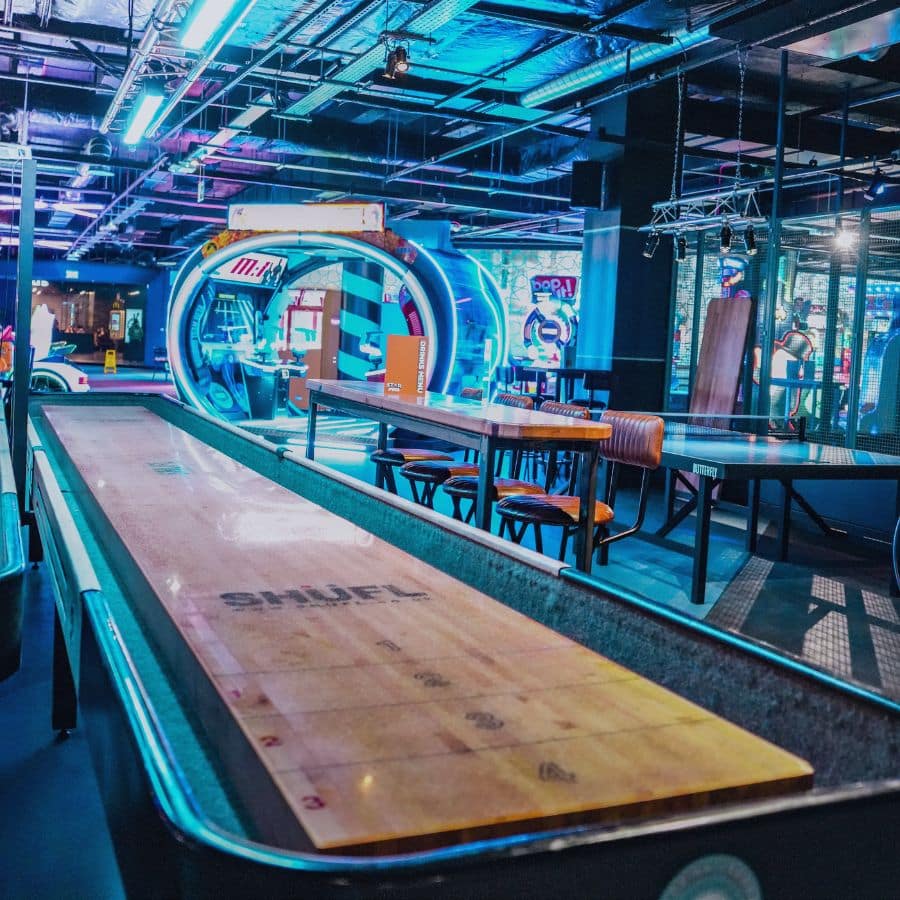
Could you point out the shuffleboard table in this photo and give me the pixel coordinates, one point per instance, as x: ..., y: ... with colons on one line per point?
x: 423, y: 712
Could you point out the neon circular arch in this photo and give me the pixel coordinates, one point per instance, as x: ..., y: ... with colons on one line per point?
x: 457, y: 306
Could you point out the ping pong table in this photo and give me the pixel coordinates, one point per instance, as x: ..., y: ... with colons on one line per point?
x: 714, y: 455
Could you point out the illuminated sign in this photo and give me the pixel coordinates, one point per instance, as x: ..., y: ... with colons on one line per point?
x: 340, y: 217
x: 560, y: 287
x: 262, y: 269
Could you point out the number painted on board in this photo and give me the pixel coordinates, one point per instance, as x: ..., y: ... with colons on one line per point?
x: 270, y: 740
x: 312, y: 801
x: 551, y: 771
x: 485, y: 720
x: 432, y: 679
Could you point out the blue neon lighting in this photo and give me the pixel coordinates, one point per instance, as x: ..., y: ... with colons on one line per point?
x: 499, y: 313
x: 451, y: 295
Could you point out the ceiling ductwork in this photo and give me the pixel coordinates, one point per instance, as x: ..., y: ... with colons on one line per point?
x: 434, y: 16
x: 110, y: 13
x: 613, y: 66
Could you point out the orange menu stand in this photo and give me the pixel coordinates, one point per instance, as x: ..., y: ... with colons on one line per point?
x: 406, y: 365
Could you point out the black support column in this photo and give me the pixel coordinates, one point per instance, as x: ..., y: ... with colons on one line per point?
x: 625, y: 297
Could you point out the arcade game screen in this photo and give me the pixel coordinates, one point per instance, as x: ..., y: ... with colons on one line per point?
x: 542, y: 292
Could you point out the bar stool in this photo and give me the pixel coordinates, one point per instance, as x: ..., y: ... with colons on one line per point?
x: 393, y: 458
x: 430, y: 474
x: 636, y: 441
x: 389, y: 459
x: 465, y: 487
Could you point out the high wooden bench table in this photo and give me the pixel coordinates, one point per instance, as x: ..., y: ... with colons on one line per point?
x: 487, y: 427
x: 362, y: 700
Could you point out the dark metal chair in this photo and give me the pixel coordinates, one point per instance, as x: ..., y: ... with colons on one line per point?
x: 636, y: 441
x: 428, y: 475
x: 594, y: 382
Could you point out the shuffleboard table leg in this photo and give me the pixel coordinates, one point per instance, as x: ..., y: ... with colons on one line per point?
x: 311, y: 428
x: 701, y: 539
x: 64, y: 700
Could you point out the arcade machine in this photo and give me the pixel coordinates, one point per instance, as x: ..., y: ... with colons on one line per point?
x: 552, y: 323
x: 879, y: 400
x: 308, y: 325
x: 232, y: 352
x: 548, y: 328
x: 239, y: 309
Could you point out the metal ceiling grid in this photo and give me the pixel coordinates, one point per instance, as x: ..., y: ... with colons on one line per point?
x: 296, y: 100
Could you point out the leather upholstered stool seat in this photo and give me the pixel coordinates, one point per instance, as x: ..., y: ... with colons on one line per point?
x: 394, y: 457
x: 428, y: 474
x: 636, y: 440
x: 465, y: 487
x: 547, y: 509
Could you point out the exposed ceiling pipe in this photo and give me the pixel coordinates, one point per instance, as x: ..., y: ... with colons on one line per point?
x: 158, y: 18
x: 553, y: 46
x: 85, y: 235
x: 199, y: 68
x: 44, y: 10
x: 614, y: 66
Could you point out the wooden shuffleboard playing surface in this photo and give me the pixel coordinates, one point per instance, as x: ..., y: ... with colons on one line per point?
x: 361, y: 699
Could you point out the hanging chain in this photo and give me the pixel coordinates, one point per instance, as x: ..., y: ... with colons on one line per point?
x: 680, y: 89
x: 742, y: 69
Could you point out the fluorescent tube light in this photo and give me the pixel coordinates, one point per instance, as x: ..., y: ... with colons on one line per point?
x: 204, y: 20
x: 142, y: 117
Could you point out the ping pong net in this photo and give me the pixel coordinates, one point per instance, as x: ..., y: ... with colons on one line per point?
x: 711, y: 426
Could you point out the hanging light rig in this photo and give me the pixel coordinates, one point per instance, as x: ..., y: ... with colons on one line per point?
x: 397, y: 62
x: 733, y: 213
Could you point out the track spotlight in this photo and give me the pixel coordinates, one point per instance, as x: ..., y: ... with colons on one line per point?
x: 401, y: 61
x: 725, y: 238
x: 876, y: 186
x: 397, y: 62
x: 651, y: 245
x: 750, y: 240
x: 681, y: 248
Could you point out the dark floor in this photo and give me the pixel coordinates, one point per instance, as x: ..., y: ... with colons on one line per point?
x: 53, y: 837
